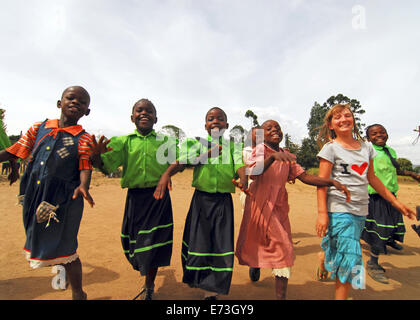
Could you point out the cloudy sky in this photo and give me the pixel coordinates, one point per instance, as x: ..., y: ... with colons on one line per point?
x: 275, y: 57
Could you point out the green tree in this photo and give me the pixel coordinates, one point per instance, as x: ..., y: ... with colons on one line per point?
x: 253, y: 116
x: 290, y: 145
x: 237, y: 133
x: 173, y: 131
x: 405, y: 164
x: 309, y: 148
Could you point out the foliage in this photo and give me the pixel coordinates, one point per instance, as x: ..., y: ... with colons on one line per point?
x: 405, y: 164
x: 173, y: 131
x: 253, y: 116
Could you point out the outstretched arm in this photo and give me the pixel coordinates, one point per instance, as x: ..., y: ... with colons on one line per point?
x: 323, y: 182
x: 377, y: 184
x: 97, y: 148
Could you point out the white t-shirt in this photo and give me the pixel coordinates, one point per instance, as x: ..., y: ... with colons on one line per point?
x: 350, y: 168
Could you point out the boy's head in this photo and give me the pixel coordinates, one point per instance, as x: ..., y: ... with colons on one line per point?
x: 376, y: 133
x: 216, y: 122
x: 74, y: 103
x: 143, y: 115
x: 272, y: 133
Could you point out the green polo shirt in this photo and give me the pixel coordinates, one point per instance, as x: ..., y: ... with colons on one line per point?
x: 216, y: 175
x: 4, y: 139
x: 384, y: 169
x: 143, y: 158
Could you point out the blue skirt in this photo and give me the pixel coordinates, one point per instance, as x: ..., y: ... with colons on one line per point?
x: 341, y: 244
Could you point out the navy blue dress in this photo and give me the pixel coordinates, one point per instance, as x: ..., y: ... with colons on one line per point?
x: 52, y: 175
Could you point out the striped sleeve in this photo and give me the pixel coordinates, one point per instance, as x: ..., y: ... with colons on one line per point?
x: 84, y: 152
x: 23, y: 147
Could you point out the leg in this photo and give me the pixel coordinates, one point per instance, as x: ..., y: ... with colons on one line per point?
x: 322, y: 273
x: 341, y: 290
x: 74, y: 273
x: 281, y: 287
x: 376, y: 271
x: 150, y: 278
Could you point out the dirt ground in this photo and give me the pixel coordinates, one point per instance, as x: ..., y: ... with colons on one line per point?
x: 107, y: 275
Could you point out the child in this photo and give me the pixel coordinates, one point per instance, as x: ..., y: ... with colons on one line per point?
x: 265, y: 239
x: 57, y: 175
x: 346, y: 158
x: 147, y: 229
x: 207, y: 246
x: 384, y: 224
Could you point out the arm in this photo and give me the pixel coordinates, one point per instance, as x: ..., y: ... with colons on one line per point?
x: 323, y: 182
x: 277, y: 156
x: 165, y: 180
x: 243, y: 181
x: 411, y: 174
x: 386, y: 194
x: 83, y: 188
x: 325, y: 168
x: 98, y: 148
x: 14, y: 174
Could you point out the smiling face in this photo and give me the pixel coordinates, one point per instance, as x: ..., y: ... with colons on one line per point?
x: 74, y: 104
x: 216, y: 122
x: 144, y: 116
x: 272, y: 133
x: 342, y: 121
x: 377, y: 135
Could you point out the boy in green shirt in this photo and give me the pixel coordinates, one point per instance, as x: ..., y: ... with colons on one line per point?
x: 147, y: 229
x: 384, y: 224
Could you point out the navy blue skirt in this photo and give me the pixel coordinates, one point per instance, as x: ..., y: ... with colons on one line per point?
x: 147, y: 230
x: 207, y: 245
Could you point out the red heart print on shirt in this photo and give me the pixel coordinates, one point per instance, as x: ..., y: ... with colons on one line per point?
x: 360, y: 169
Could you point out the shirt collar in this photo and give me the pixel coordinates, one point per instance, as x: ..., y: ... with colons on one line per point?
x: 151, y: 133
x: 73, y: 130
x: 379, y: 147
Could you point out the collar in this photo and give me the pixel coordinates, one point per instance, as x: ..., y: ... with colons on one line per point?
x: 151, y: 133
x: 379, y: 148
x: 73, y: 130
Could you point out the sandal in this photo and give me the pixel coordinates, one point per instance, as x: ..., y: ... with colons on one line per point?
x: 377, y: 273
x: 146, y: 294
x: 321, y: 275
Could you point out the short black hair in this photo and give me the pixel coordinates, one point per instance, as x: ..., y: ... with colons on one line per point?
x: 371, y: 126
x: 78, y: 87
x: 224, y: 113
x: 150, y: 103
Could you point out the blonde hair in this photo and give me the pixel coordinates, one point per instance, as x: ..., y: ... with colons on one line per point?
x: 326, y: 134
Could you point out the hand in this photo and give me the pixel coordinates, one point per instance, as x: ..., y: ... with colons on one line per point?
x: 321, y: 224
x: 164, y: 182
x: 415, y: 176
x: 99, y: 147
x: 406, y: 211
x: 242, y: 186
x: 84, y: 192
x: 283, y: 156
x: 14, y: 174
x: 342, y: 188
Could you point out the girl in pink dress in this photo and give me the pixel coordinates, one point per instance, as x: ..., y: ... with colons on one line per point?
x: 265, y: 239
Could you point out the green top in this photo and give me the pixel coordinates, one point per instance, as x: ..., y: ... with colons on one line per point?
x: 4, y: 139
x: 144, y: 158
x: 384, y: 169
x: 216, y: 174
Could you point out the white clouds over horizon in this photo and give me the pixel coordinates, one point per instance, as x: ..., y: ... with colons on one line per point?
x: 274, y: 57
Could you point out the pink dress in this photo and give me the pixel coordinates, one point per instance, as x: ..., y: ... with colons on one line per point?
x: 265, y: 239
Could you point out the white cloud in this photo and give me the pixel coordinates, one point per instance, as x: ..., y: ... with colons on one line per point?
x: 274, y: 57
